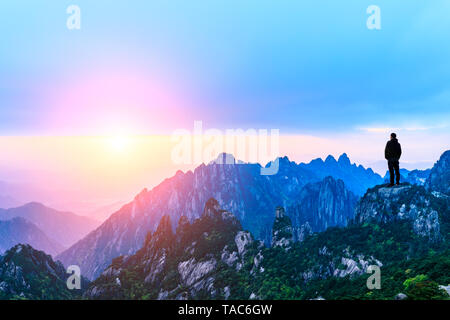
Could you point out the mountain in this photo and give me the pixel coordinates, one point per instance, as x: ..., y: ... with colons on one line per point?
x: 439, y: 179
x: 19, y: 230
x: 282, y: 230
x: 180, y: 265
x: 356, y: 178
x: 63, y: 227
x: 417, y: 177
x: 26, y: 273
x: 213, y: 258
x: 238, y: 187
x: 322, y: 204
x: 405, y: 202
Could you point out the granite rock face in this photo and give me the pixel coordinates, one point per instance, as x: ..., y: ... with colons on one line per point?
x: 184, y: 264
x: 321, y: 205
x: 405, y: 202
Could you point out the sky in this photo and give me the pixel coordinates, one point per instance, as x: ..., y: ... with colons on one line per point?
x: 137, y: 71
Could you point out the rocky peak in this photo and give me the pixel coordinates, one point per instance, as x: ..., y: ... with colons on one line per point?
x: 183, y: 224
x: 212, y: 208
x: 302, y: 232
x: 330, y: 159
x: 163, y: 236
x: 439, y: 178
x: 344, y: 159
x: 224, y: 158
x: 404, y: 202
x: 28, y: 273
x: 282, y: 232
x: 183, y: 268
x: 279, y: 212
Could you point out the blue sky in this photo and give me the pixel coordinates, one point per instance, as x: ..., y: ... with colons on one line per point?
x: 311, y: 69
x: 301, y: 66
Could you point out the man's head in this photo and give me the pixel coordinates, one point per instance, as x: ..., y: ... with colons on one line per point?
x: 393, y: 136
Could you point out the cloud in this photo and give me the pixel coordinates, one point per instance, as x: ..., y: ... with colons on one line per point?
x: 399, y: 129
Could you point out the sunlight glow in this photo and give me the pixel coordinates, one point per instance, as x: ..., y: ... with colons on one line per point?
x: 119, y: 143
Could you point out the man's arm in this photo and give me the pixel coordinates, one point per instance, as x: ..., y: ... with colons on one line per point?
x: 386, y: 151
x: 399, y: 151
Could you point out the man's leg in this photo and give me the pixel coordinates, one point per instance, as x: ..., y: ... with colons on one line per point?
x: 397, y: 171
x: 391, y: 170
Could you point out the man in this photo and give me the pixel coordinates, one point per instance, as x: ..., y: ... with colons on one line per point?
x: 392, y: 154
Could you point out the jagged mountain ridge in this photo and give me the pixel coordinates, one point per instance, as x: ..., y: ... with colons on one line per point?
x: 356, y: 177
x: 418, y: 177
x: 239, y: 188
x: 213, y: 258
x: 19, y: 230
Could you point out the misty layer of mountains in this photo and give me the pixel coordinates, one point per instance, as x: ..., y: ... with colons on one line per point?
x: 44, y: 228
x: 143, y: 245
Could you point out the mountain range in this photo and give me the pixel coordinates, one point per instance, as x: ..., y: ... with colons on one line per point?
x: 238, y: 187
x: 64, y: 228
x: 417, y: 177
x: 213, y: 258
x: 320, y: 247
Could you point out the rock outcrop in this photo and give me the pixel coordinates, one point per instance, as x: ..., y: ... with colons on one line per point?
x: 405, y: 202
x: 26, y: 273
x: 282, y: 231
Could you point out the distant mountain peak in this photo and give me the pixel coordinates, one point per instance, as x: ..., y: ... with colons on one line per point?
x: 212, y: 207
x: 284, y: 160
x: 439, y: 178
x: 34, y: 205
x: 64, y: 227
x: 20, y: 230
x: 329, y: 159
x: 224, y: 158
x: 344, y: 159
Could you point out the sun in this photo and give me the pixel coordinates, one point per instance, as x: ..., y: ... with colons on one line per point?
x: 119, y: 143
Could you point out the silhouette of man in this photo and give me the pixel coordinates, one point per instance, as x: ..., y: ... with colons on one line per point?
x: 392, y: 153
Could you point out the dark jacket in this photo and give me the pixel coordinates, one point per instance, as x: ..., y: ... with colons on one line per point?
x: 393, y: 150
